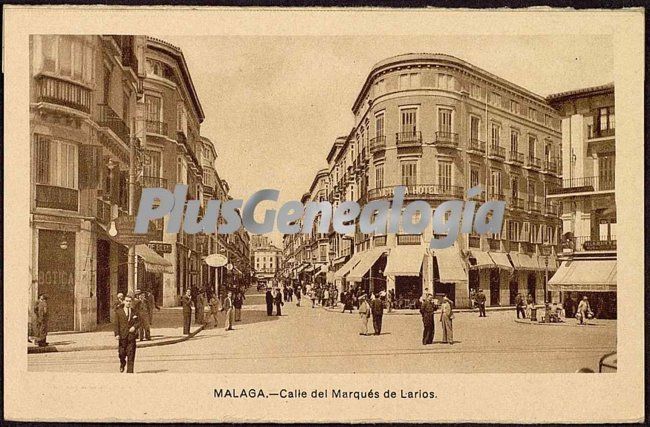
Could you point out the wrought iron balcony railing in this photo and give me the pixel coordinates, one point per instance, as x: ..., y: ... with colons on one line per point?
x: 154, y: 126
x: 378, y: 143
x: 534, y: 162
x: 497, y: 152
x: 419, y: 191
x: 408, y: 138
x: 476, y: 145
x: 584, y: 185
x: 534, y: 206
x: 447, y: 138
x: 109, y: 118
x: 516, y: 157
x: 154, y: 182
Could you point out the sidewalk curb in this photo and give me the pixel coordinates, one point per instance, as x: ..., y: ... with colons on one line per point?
x: 415, y: 312
x: 140, y: 344
x: 565, y: 323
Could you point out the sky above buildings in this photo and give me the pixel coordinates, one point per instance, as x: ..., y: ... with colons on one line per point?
x: 274, y: 105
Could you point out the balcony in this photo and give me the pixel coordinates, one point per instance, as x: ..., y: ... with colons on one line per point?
x: 109, y: 118
x: 419, y: 191
x: 159, y: 128
x: 516, y: 203
x: 534, y: 162
x: 62, y: 92
x: 379, y: 240
x: 589, y: 244
x: 377, y: 144
x: 154, y: 182
x: 497, y: 152
x: 601, y: 133
x: 476, y: 146
x: 584, y: 185
x: 409, y: 239
x: 516, y: 157
x: 496, y: 196
x: 446, y: 139
x: 552, y: 209
x: 411, y: 138
x: 103, y: 213
x: 534, y: 206
x: 51, y: 197
x: 551, y: 166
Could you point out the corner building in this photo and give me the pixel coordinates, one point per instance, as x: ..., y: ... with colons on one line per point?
x: 440, y: 126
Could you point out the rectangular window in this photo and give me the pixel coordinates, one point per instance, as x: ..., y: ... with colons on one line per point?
x: 379, y: 176
x: 548, y: 120
x: 532, y: 142
x: 444, y: 176
x: 514, y: 185
x: 532, y: 114
x: 606, y: 168
x: 446, y: 81
x: 606, y: 118
x: 444, y: 120
x: 494, y: 99
x: 474, y: 177
x: 56, y: 163
x: 409, y: 81
x: 495, y: 184
x: 379, y: 125
x: 153, y: 108
x: 49, y: 56
x: 475, y: 91
x: 531, y: 191
x: 152, y: 166
x: 409, y: 173
x: 514, y: 107
x: 514, y: 230
x: 474, y: 127
x: 496, y: 135
x: 514, y: 141
x: 65, y: 56
x: 409, y: 121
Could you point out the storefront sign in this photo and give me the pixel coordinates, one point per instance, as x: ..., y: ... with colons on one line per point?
x: 160, y: 247
x: 600, y: 245
x: 125, y: 234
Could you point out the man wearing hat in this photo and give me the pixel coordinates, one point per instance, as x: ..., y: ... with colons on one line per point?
x: 377, y: 307
x: 42, y: 319
x: 127, y: 322
x: 364, y: 314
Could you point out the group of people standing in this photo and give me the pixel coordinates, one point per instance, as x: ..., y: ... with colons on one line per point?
x: 275, y: 297
x: 427, y: 310
x: 232, y: 305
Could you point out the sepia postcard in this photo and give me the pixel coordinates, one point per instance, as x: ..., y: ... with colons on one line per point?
x: 323, y: 215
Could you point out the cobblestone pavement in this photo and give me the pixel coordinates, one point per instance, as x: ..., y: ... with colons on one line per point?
x: 306, y: 339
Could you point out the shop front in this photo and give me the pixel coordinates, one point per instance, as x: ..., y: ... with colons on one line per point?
x: 404, y: 274
x: 450, y: 276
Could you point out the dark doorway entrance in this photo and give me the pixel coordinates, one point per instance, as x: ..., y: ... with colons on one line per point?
x: 56, y: 271
x: 514, y: 288
x: 103, y: 281
x: 448, y: 289
x: 473, y: 281
x: 495, y: 280
x: 532, y: 284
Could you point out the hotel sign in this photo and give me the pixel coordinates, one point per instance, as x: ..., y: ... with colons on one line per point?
x: 600, y: 245
x: 161, y: 247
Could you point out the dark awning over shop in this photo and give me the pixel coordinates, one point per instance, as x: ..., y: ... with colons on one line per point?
x: 153, y: 262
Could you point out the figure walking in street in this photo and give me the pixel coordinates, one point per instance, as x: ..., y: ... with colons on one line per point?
x: 446, y: 317
x: 151, y: 304
x: 186, y: 303
x: 529, y: 305
x: 519, y: 306
x: 312, y: 297
x: 269, y: 302
x: 389, y: 299
x: 377, y: 307
x: 143, y: 307
x: 215, y: 306
x: 428, y: 319
x: 480, y: 301
x: 298, y: 295
x: 42, y: 319
x: 127, y: 322
x: 227, y: 307
x: 364, y: 314
x: 584, y: 310
x: 278, y: 304
x: 237, y: 303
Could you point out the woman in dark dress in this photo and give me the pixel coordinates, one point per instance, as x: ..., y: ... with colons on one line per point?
x: 278, y: 303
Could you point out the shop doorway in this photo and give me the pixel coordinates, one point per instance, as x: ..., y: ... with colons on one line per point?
x: 495, y: 291
x: 474, y: 281
x: 103, y: 282
x: 56, y: 271
x: 408, y: 290
x: 448, y: 289
x: 514, y: 288
x: 532, y: 285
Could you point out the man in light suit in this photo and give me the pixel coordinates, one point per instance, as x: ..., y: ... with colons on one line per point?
x: 127, y: 322
x: 227, y: 307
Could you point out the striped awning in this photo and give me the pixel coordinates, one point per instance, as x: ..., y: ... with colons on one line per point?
x: 153, y: 262
x: 405, y: 260
x: 585, y: 276
x: 343, y: 271
x: 483, y: 259
x: 450, y: 265
x: 501, y: 260
x: 366, y: 261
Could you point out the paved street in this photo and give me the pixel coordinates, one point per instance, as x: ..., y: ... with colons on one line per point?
x: 307, y: 340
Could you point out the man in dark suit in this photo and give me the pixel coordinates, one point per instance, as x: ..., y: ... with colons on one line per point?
x: 127, y: 322
x: 377, y: 307
x: 480, y: 300
x: 186, y: 302
x: 269, y: 302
